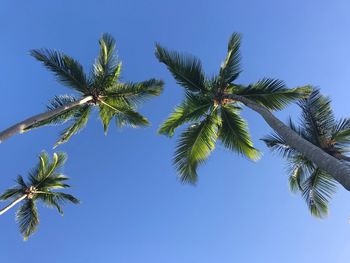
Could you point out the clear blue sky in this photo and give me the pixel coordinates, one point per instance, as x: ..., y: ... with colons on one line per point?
x: 133, y: 208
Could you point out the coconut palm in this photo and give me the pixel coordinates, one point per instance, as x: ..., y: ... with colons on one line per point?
x: 318, y: 126
x: 211, y: 108
x: 102, y: 89
x: 42, y: 180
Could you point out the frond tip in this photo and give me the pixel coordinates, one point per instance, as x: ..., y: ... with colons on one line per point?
x: 67, y: 70
x: 194, y: 147
x: 187, y: 70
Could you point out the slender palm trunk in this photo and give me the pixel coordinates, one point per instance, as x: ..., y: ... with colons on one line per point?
x: 13, y: 203
x: 21, y: 126
x: 339, y: 170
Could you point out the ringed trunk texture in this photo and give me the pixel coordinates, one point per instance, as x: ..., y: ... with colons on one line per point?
x: 13, y: 203
x: 21, y: 126
x: 339, y: 170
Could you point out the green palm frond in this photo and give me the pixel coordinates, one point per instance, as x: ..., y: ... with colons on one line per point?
x: 106, y: 69
x: 46, y: 169
x: 194, y: 147
x: 11, y: 193
x: 136, y: 92
x: 129, y: 117
x: 79, y: 121
x: 57, y: 199
x: 40, y: 170
x: 123, y: 113
x: 271, y: 93
x: 58, y: 160
x: 53, y: 183
x: 295, y: 179
x: 341, y: 131
x: 317, y: 117
x: 317, y: 191
x: 234, y: 133
x: 192, y: 109
x: 230, y: 68
x: 21, y: 183
x: 106, y: 115
x: 28, y: 218
x: 67, y: 70
x: 186, y: 70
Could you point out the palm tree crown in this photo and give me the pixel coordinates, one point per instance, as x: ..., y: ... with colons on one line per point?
x: 42, y: 180
x: 102, y: 88
x: 210, y: 111
x: 318, y: 126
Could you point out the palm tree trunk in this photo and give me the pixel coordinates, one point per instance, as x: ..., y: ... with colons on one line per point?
x: 21, y: 126
x: 13, y: 203
x: 342, y: 157
x: 339, y: 170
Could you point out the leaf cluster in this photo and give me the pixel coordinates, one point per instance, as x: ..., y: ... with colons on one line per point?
x: 42, y: 182
x: 318, y: 126
x: 101, y: 88
x: 208, y: 110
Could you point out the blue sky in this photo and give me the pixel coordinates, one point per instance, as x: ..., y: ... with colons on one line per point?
x: 133, y: 207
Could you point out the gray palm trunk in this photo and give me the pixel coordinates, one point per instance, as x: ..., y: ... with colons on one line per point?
x: 21, y: 126
x: 13, y: 203
x: 339, y: 170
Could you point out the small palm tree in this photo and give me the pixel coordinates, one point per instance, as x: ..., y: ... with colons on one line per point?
x: 43, y: 179
x: 102, y: 89
x: 318, y: 126
x: 212, y: 115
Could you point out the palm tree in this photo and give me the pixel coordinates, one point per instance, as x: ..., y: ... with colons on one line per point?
x: 212, y: 106
x: 102, y: 88
x: 318, y: 126
x: 43, y: 179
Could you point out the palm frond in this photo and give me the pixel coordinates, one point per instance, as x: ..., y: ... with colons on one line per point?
x: 67, y: 70
x: 45, y: 174
x: 194, y: 147
x: 57, y: 162
x: 186, y: 70
x: 21, y: 183
x: 295, y: 178
x: 192, y: 109
x: 12, y: 193
x: 129, y: 117
x: 234, y: 133
x: 341, y: 132
x: 80, y: 120
x: 136, y: 92
x: 57, y: 199
x: 317, y: 191
x: 271, y: 93
x: 27, y: 218
x: 106, y: 69
x: 230, y: 68
x: 317, y: 117
x: 106, y: 115
x: 53, y: 184
x: 123, y: 113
